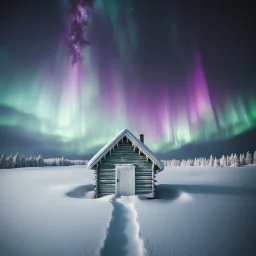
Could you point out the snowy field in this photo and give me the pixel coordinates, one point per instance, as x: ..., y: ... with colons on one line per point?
x: 49, y: 211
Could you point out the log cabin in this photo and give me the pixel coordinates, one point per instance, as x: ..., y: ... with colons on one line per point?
x: 125, y: 166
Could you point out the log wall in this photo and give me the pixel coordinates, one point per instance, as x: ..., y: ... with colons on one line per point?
x: 124, y: 153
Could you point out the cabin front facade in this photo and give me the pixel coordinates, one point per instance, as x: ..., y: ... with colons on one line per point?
x: 125, y: 166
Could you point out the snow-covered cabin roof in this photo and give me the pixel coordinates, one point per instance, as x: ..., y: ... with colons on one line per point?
x: 135, y: 142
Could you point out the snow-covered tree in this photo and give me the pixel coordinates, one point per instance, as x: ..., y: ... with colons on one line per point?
x: 22, y: 161
x: 228, y: 161
x: 32, y: 161
x: 223, y: 161
x: 39, y: 161
x: 210, y: 161
x: 199, y: 161
x: 16, y: 161
x: 236, y: 161
x: 248, y: 158
x: 174, y: 162
x: 27, y: 163
x: 183, y: 162
x: 254, y: 157
x: 3, y: 161
x: 215, y: 162
x: 242, y: 159
x: 203, y: 162
x: 231, y: 159
x: 189, y: 162
x: 9, y: 162
x: 58, y: 161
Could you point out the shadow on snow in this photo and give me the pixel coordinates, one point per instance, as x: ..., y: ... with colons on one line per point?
x: 171, y: 192
x: 82, y: 192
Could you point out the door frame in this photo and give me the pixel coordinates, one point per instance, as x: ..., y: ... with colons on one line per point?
x: 117, y: 166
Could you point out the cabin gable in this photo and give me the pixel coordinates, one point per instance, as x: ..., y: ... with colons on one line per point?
x: 124, y: 152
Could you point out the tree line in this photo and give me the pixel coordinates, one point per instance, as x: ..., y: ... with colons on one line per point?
x: 17, y: 161
x: 233, y: 161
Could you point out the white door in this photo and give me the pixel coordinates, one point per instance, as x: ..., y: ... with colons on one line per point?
x: 125, y: 179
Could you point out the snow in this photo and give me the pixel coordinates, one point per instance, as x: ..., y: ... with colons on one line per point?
x: 96, y: 158
x: 199, y: 211
x: 38, y: 217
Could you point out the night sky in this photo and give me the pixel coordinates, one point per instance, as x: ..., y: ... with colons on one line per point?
x: 183, y: 73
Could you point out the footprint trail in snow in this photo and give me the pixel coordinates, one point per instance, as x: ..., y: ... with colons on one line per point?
x: 123, y: 233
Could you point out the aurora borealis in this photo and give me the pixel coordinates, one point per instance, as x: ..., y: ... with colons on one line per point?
x: 170, y: 71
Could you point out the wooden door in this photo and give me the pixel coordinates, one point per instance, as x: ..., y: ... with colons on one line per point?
x: 125, y: 180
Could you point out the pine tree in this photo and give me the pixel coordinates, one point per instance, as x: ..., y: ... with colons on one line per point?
x: 40, y: 161
x: 211, y: 161
x: 9, y: 162
x: 37, y: 161
x: 228, y: 161
x: 16, y: 161
x: 236, y: 161
x: 254, y: 157
x: 216, y: 162
x: 242, y: 159
x: 203, y: 162
x: 223, y: 161
x: 248, y: 159
x: 231, y: 159
x: 27, y: 162
x: 32, y: 162
x: 58, y: 161
x: 22, y: 162
x: 3, y: 161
